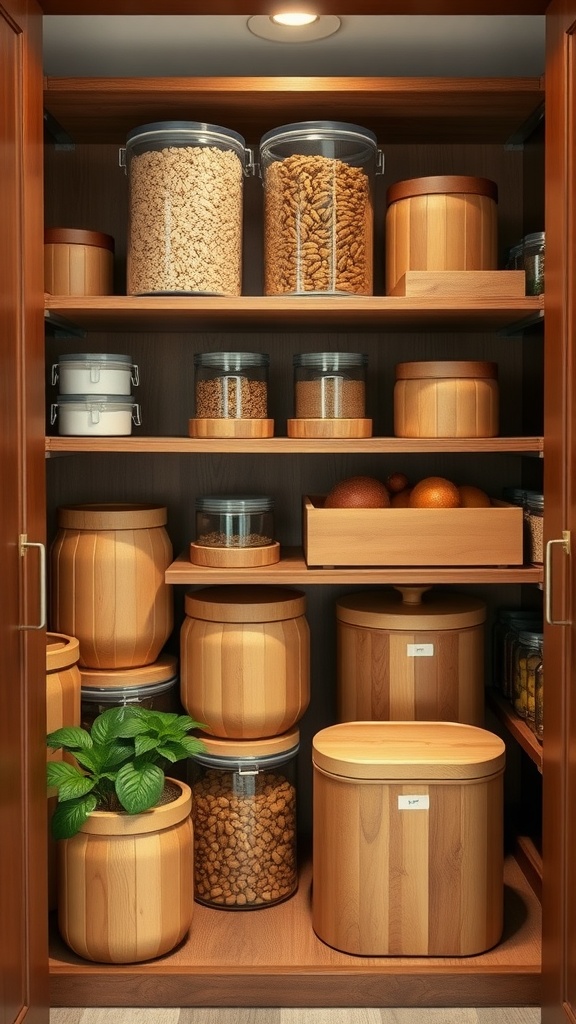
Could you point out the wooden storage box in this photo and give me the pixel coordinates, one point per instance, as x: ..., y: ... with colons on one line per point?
x: 407, y: 838
x: 412, y: 536
x: 446, y: 398
x: 78, y: 262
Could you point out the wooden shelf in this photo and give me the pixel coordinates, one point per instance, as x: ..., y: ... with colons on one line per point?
x: 516, y: 726
x: 398, y: 110
x: 293, y: 569
x: 293, y: 446
x: 201, y: 313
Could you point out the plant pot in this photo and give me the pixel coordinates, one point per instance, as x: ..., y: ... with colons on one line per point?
x: 126, y: 882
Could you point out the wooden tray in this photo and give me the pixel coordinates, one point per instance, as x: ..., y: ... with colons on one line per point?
x: 462, y: 283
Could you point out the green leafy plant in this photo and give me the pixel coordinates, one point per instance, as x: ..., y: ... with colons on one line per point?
x: 119, y: 763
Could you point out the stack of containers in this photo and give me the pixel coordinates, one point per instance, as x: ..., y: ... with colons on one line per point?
x: 245, y: 673
x: 94, y: 394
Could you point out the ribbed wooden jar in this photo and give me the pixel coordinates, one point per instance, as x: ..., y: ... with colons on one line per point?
x: 405, y: 657
x: 78, y: 262
x: 108, y: 590
x: 442, y: 222
x: 245, y: 660
x: 126, y: 882
x: 446, y: 399
x: 408, y: 838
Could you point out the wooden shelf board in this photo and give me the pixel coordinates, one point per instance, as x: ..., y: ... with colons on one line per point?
x: 293, y: 569
x: 273, y: 958
x: 516, y: 726
x: 293, y: 446
x: 261, y: 7
x: 200, y: 313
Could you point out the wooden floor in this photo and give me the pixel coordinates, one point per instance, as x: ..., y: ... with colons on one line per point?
x: 244, y: 1015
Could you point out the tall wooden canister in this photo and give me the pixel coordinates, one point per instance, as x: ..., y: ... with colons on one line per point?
x: 245, y: 660
x: 408, y: 838
x: 404, y: 654
x: 442, y: 222
x: 108, y: 589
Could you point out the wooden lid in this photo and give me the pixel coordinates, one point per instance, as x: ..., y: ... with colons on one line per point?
x: 410, y: 608
x: 61, y: 651
x: 164, y: 670
x: 112, y: 517
x: 78, y: 236
x: 268, y: 747
x: 437, y: 369
x: 408, y: 750
x: 245, y: 604
x: 442, y: 184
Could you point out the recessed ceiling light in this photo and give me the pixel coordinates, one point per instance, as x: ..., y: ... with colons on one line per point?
x: 291, y: 31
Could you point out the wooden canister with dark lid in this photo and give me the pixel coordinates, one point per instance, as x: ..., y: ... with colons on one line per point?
x: 405, y: 654
x: 441, y: 222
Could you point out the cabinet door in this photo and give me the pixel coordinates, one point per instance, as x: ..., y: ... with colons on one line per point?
x: 23, y: 916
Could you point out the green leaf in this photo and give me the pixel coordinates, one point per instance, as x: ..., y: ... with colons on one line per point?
x: 185, y: 723
x: 124, y: 722
x: 174, y: 750
x: 192, y: 745
x: 88, y: 759
x: 71, y: 738
x: 142, y: 744
x: 139, y: 787
x: 60, y: 772
x: 117, y: 753
x: 69, y: 817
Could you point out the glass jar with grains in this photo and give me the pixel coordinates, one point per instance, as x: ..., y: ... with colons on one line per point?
x: 527, y: 657
x: 234, y: 521
x: 330, y: 385
x: 231, y: 385
x: 244, y: 817
x: 535, y: 522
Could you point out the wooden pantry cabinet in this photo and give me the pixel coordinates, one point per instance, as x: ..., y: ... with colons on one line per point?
x: 489, y: 127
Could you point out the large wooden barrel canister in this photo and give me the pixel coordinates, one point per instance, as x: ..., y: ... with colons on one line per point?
x: 108, y: 589
x: 245, y: 660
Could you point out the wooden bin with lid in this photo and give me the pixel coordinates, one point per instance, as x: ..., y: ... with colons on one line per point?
x: 441, y: 222
x: 245, y: 660
x: 408, y: 838
x: 402, y: 656
x: 446, y: 398
x: 78, y: 262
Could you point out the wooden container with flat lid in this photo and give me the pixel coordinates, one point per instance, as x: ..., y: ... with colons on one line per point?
x: 446, y: 398
x: 408, y: 653
x: 408, y: 838
x: 245, y: 660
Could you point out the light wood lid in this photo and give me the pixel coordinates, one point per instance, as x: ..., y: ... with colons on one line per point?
x: 164, y: 670
x: 408, y: 750
x: 112, y: 517
x: 78, y: 236
x: 442, y: 184
x: 61, y: 651
x: 245, y: 604
x: 216, y: 747
x: 440, y: 369
x: 410, y: 608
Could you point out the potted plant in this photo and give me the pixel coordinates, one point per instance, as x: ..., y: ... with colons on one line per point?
x: 126, y: 842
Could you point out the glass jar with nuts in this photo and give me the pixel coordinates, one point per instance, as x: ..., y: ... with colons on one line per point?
x: 244, y: 816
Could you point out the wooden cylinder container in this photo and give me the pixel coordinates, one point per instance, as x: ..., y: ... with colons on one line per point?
x: 108, y: 589
x: 407, y: 838
x: 446, y: 399
x: 78, y: 262
x: 402, y: 657
x: 245, y: 660
x: 443, y: 222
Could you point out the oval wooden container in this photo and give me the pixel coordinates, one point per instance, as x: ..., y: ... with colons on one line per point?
x: 245, y: 660
x: 442, y: 222
x: 408, y: 838
x: 108, y: 590
x: 446, y: 399
x: 324, y: 427
x: 398, y: 659
x: 78, y: 262
x: 126, y: 882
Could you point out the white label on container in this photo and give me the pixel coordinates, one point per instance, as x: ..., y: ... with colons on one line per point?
x: 414, y: 803
x: 420, y: 650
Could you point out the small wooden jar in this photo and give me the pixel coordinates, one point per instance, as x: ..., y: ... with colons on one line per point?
x: 446, y: 399
x: 443, y: 222
x: 408, y: 838
x: 402, y: 657
x: 245, y: 660
x: 78, y: 262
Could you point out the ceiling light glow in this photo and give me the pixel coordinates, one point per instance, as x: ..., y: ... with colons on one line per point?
x: 293, y: 29
x: 295, y: 20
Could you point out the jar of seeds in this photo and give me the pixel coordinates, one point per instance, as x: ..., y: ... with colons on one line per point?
x: 231, y: 395
x: 234, y: 530
x: 535, y: 521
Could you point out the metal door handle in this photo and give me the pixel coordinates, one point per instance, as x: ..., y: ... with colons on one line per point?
x: 564, y: 540
x: 23, y: 546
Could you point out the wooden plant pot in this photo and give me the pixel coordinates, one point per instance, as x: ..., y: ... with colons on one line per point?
x: 126, y: 882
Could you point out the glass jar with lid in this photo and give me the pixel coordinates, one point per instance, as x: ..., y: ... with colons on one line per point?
x: 539, y: 709
x: 231, y: 395
x: 330, y: 395
x: 534, y: 250
x: 234, y: 530
x: 527, y: 656
x: 509, y: 621
x: 535, y: 523
x: 244, y: 816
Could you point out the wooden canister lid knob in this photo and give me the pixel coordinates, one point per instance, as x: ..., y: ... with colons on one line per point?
x: 411, y: 595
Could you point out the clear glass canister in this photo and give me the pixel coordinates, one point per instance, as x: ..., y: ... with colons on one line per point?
x: 527, y: 655
x: 231, y: 385
x: 509, y: 622
x: 535, y: 521
x: 234, y: 521
x: 330, y: 385
x: 539, y: 710
x: 534, y: 251
x: 244, y: 816
x: 319, y: 208
x: 185, y: 181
